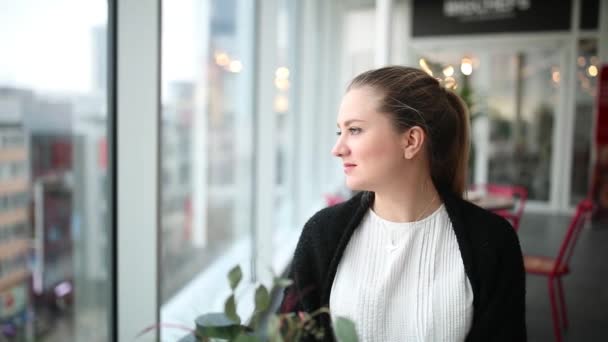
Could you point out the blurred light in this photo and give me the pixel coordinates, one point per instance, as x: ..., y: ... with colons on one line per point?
x: 63, y: 289
x: 466, y: 66
x: 448, y: 71
x: 592, y: 70
x: 222, y: 59
x: 236, y: 66
x: 281, y: 104
x: 593, y: 60
x: 450, y: 82
x: 281, y: 83
x: 581, y: 61
x: 425, y: 66
x: 555, y: 76
x: 282, y: 73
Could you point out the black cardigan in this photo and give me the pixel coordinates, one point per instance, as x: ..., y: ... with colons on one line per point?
x: 488, y: 245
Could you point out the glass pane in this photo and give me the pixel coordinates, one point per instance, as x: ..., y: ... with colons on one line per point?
x: 586, y: 87
x: 522, y: 115
x: 512, y: 97
x: 285, y: 144
x: 207, y: 156
x: 55, y: 276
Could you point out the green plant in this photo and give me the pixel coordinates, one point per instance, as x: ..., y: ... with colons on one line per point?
x: 228, y: 326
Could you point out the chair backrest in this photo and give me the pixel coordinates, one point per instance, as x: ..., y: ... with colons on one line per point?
x: 582, y: 214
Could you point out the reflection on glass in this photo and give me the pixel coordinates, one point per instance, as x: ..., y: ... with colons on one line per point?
x: 54, y: 235
x: 586, y: 88
x: 206, y: 158
x: 283, y: 77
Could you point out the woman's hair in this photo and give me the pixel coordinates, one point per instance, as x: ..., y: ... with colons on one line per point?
x: 413, y: 98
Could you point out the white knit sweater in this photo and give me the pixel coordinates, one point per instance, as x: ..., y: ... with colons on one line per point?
x: 404, y: 281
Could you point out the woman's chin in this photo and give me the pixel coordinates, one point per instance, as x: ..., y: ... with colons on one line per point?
x: 353, y: 185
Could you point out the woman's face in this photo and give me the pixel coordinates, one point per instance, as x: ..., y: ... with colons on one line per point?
x: 370, y: 148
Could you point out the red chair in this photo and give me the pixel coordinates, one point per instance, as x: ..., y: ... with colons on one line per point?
x: 554, y: 269
x: 512, y: 191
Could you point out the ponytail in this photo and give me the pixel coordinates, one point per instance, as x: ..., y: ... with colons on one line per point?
x: 458, y: 166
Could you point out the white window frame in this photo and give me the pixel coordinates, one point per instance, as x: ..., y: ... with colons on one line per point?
x: 137, y: 162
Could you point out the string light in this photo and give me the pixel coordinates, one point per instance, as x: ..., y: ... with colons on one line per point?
x: 592, y: 70
x: 425, y: 66
x: 222, y: 59
x: 235, y: 66
x: 448, y: 71
x: 466, y: 66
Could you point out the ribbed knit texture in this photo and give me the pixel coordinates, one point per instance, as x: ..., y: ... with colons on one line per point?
x: 404, y: 281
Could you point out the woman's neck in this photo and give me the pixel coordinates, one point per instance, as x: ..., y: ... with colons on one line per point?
x: 408, y: 202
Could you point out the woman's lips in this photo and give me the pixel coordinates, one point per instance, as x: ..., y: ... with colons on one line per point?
x: 348, y: 167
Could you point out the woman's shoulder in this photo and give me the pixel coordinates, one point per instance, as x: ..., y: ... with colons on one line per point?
x: 484, y: 227
x: 335, y: 218
x: 322, y: 233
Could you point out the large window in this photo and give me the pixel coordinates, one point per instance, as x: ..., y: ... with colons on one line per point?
x: 285, y: 121
x: 587, y: 70
x: 206, y: 151
x: 248, y: 115
x: 55, y: 246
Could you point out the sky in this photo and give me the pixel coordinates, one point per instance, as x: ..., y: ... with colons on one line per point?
x: 47, y: 45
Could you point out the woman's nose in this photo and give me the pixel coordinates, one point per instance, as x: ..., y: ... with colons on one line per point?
x: 339, y: 149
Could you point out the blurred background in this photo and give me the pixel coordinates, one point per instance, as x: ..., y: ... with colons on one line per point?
x: 147, y: 147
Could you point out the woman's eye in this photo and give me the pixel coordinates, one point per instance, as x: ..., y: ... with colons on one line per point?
x: 352, y: 130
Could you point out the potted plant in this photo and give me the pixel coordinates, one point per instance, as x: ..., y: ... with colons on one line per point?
x: 228, y: 325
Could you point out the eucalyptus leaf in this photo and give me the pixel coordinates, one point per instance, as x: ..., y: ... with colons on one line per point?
x: 262, y: 299
x: 345, y: 330
x: 217, y: 325
x: 230, y: 309
x: 234, y: 276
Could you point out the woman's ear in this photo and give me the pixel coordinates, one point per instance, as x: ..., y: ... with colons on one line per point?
x: 412, y: 141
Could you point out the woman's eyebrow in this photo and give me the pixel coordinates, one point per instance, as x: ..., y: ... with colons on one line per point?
x: 348, y: 122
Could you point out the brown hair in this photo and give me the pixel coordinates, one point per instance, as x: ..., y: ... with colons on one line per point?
x: 414, y: 98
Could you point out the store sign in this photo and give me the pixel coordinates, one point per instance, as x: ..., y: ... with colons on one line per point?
x: 450, y: 17
x: 471, y: 10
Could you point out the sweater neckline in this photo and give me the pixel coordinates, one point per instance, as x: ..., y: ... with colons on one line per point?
x: 405, y: 225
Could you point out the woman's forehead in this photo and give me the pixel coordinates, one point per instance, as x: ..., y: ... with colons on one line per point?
x: 359, y: 104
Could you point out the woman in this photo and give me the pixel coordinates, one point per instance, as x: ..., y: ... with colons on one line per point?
x: 407, y: 258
